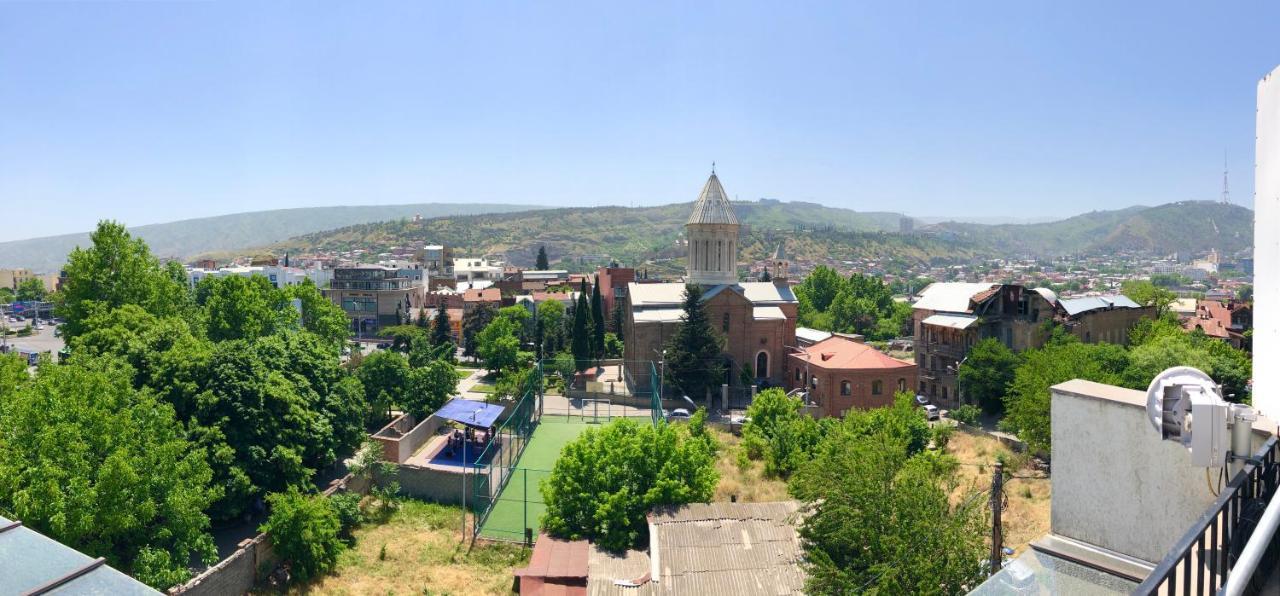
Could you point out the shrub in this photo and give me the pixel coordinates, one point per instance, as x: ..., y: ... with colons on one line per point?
x: 967, y: 414
x: 304, y: 530
x: 347, y: 505
x: 942, y: 435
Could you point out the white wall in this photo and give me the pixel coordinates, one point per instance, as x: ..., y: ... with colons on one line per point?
x: 1266, y: 252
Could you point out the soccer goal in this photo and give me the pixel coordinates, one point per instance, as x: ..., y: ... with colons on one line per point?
x: 596, y: 411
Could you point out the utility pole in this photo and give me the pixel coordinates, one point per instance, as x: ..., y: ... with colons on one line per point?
x: 997, y: 499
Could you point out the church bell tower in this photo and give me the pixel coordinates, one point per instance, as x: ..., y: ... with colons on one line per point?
x: 712, y: 231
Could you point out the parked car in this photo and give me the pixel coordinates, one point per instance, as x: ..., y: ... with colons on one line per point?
x: 678, y: 414
x: 382, y: 345
x: 931, y: 412
x: 922, y: 400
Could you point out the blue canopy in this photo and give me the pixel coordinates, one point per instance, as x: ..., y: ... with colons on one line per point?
x: 471, y: 413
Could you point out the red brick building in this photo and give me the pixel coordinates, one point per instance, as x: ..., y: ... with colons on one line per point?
x: 842, y: 374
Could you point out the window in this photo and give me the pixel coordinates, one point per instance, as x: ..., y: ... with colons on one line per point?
x: 877, y: 387
x: 944, y: 392
x: 846, y: 388
x: 813, y: 381
x: 902, y: 385
x: 724, y: 323
x: 762, y: 365
x: 921, y: 387
x: 719, y: 255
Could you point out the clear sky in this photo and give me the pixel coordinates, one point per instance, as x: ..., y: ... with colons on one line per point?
x: 150, y: 111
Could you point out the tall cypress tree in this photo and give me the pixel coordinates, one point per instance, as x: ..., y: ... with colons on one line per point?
x: 423, y: 320
x: 618, y: 322
x: 542, y: 265
x: 440, y: 332
x: 581, y: 344
x: 597, y: 320
x: 693, y: 362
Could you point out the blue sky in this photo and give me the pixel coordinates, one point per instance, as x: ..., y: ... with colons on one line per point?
x: 156, y: 111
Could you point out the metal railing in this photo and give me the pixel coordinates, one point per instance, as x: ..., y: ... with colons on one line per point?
x: 1203, y: 559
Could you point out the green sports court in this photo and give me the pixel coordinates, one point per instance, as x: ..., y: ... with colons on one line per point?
x: 520, y: 502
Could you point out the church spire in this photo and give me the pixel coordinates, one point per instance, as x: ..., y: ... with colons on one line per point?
x: 712, y: 233
x: 713, y: 205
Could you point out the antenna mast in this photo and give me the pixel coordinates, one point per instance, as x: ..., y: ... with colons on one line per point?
x: 1226, y: 191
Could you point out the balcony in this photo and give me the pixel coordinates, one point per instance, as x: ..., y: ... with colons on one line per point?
x: 954, y: 351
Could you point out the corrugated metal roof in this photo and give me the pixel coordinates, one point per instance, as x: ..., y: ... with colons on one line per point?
x: 760, y: 293
x: 950, y: 296
x: 606, y: 568
x: 30, y: 560
x: 713, y: 205
x: 1075, y: 306
x: 951, y: 321
x: 812, y: 335
x: 728, y: 548
x: 658, y: 315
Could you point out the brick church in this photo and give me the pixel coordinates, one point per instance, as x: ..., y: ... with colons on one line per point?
x: 757, y: 319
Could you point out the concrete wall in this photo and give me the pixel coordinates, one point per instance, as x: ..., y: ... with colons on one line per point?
x: 1116, y: 484
x: 402, y: 437
x: 1266, y: 251
x: 428, y: 484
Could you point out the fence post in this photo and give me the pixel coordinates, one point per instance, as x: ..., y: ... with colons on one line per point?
x: 525, y: 479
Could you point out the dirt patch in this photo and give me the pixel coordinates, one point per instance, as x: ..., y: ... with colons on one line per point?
x: 748, y: 483
x: 1027, y: 489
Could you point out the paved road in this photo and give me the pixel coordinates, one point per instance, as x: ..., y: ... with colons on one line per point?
x: 40, y: 341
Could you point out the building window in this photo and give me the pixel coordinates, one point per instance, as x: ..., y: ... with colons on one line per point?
x: 944, y: 392
x: 724, y: 323
x: 877, y: 387
x: 762, y: 365
x: 719, y: 255
x: 921, y: 387
x: 813, y: 381
x: 797, y: 374
x: 902, y: 385
x: 846, y: 388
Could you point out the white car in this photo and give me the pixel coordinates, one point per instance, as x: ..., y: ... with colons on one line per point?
x: 931, y: 412
x: 922, y: 400
x: 678, y: 414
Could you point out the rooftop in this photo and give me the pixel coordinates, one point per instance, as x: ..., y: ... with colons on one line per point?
x: 950, y: 296
x: 31, y: 562
x: 713, y: 205
x: 844, y: 354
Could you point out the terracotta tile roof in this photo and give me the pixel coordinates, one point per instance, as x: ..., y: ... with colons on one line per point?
x: 1211, y: 316
x: 485, y: 295
x: 845, y: 354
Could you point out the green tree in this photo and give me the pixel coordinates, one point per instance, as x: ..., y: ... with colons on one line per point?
x: 542, y: 264
x: 304, y: 531
x: 819, y: 288
x: 648, y: 467
x: 597, y: 321
x: 612, y: 346
x: 123, y: 483
x: 115, y: 270
x: 7, y: 295
x: 441, y: 331
x: 1062, y: 359
x: 429, y: 387
x: 320, y: 315
x: 499, y: 345
x: 384, y: 375
x: 987, y: 373
x: 31, y: 289
x: 245, y: 308
x: 551, y: 316
x: 581, y: 337
x: 1148, y: 294
x: 618, y: 324
x: 880, y: 517
x: 693, y: 354
x: 473, y: 322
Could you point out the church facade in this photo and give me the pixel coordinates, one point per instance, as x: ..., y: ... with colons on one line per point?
x: 757, y: 319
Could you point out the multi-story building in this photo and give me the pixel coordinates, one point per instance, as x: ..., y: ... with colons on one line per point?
x: 949, y: 318
x: 613, y: 285
x: 375, y: 296
x: 279, y: 276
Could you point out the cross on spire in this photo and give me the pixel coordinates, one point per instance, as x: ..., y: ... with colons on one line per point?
x: 713, y: 168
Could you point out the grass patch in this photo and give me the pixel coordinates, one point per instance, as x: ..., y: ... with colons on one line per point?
x: 742, y: 477
x: 419, y: 550
x: 1027, y: 516
x: 484, y: 388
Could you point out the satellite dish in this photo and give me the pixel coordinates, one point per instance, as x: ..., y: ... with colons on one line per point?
x: 1186, y: 406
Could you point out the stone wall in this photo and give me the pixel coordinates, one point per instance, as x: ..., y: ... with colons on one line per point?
x: 429, y: 484
x: 401, y: 438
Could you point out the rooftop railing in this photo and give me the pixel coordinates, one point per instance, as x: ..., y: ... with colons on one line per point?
x: 1204, y: 560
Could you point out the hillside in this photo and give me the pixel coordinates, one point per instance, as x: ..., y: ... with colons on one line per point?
x: 189, y: 237
x: 634, y: 235
x: 1187, y: 227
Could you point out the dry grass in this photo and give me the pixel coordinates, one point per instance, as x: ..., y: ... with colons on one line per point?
x: 424, y: 555
x: 750, y: 485
x: 1026, y: 517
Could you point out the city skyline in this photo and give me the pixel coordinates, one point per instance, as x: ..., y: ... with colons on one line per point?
x: 155, y: 112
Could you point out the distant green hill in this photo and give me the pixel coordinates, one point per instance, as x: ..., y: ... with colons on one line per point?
x: 186, y: 238
x: 1186, y: 227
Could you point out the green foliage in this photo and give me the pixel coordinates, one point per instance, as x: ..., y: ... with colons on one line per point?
x: 429, y: 387
x: 384, y: 375
x: 30, y: 289
x: 968, y: 414
x: 612, y: 346
x: 304, y: 531
x: 403, y: 336
x: 552, y: 320
x: 880, y: 518
x: 987, y: 373
x: 580, y: 337
x: 1149, y: 294
x: 597, y: 321
x: 244, y: 308
x: 441, y: 331
x: 473, y: 322
x: 7, y: 295
x: 647, y: 467
x: 541, y: 263
x: 319, y: 314
x: 498, y: 345
x: 347, y: 506
x: 1027, y: 403
x: 860, y: 304
x: 104, y: 468
x: 115, y: 270
x: 693, y: 354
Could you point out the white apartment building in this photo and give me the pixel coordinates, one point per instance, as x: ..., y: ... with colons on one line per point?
x: 279, y: 276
